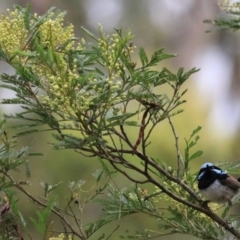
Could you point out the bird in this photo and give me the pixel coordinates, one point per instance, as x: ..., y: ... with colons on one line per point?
x: 216, y: 185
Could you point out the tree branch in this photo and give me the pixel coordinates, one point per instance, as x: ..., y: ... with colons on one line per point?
x: 177, y: 147
x: 55, y: 211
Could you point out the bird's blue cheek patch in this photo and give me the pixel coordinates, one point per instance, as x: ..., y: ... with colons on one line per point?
x: 200, y: 175
x: 219, y: 171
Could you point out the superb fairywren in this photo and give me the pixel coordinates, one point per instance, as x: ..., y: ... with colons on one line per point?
x: 216, y: 185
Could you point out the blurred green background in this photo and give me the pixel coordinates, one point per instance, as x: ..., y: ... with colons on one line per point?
x: 212, y: 98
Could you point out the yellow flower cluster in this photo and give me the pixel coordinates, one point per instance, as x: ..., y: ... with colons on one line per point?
x: 53, y: 33
x: 12, y: 33
x: 185, y: 211
x: 182, y: 210
x: 58, y: 79
x: 53, y: 36
x: 112, y: 47
x: 227, y: 6
x: 143, y: 194
x: 44, y: 51
x: 61, y: 81
x: 86, y: 97
x: 61, y: 237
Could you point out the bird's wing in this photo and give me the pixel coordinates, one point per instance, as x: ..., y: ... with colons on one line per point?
x: 230, y: 182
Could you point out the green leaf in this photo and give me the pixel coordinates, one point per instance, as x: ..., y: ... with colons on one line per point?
x: 89, y: 33
x: 225, y: 212
x: 48, y: 188
x: 98, y: 174
x: 158, y: 56
x: 143, y: 56
x: 41, y: 221
x: 26, y: 54
x: 42, y: 19
x: 27, y: 16
x: 189, y: 144
x: 105, y: 167
x: 2, y: 123
x: 182, y: 77
x: 26, y: 132
x: 3, y: 55
x: 195, y: 131
x: 196, y: 155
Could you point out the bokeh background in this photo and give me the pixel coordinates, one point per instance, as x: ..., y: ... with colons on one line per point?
x: 213, y: 93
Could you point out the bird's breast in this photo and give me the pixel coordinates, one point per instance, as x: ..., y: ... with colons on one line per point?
x: 216, y: 192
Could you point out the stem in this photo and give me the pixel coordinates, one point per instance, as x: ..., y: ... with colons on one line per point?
x: 206, y: 211
x: 177, y: 147
x: 55, y: 211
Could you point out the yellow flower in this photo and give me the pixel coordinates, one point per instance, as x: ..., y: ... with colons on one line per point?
x: 13, y: 33
x: 61, y: 237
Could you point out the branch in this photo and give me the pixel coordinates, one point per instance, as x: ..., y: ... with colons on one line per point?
x: 55, y: 211
x: 143, y: 126
x: 114, y: 230
x: 159, y: 169
x: 199, y: 208
x: 177, y: 147
x: 208, y: 212
x: 127, y: 175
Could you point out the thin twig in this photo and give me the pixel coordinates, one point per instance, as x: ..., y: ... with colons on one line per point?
x: 125, y: 136
x: 85, y: 155
x: 177, y: 147
x: 55, y: 211
x: 141, y: 130
x: 114, y: 230
x: 199, y: 208
x: 125, y: 174
x: 113, y: 142
x: 76, y: 220
x: 143, y: 134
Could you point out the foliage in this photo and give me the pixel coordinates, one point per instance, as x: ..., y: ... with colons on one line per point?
x: 230, y: 19
x: 90, y: 94
x: 11, y: 159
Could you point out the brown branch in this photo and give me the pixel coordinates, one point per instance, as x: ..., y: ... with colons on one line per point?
x: 199, y: 208
x: 177, y: 147
x: 143, y: 134
x: 126, y: 175
x: 55, y: 211
x: 4, y: 210
x: 85, y: 155
x: 206, y: 211
x: 29, y: 86
x: 161, y: 170
x: 113, y: 142
x: 76, y: 220
x: 141, y: 131
x: 114, y: 230
x: 125, y: 137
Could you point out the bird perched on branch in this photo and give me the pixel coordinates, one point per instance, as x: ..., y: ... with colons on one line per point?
x: 216, y: 185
